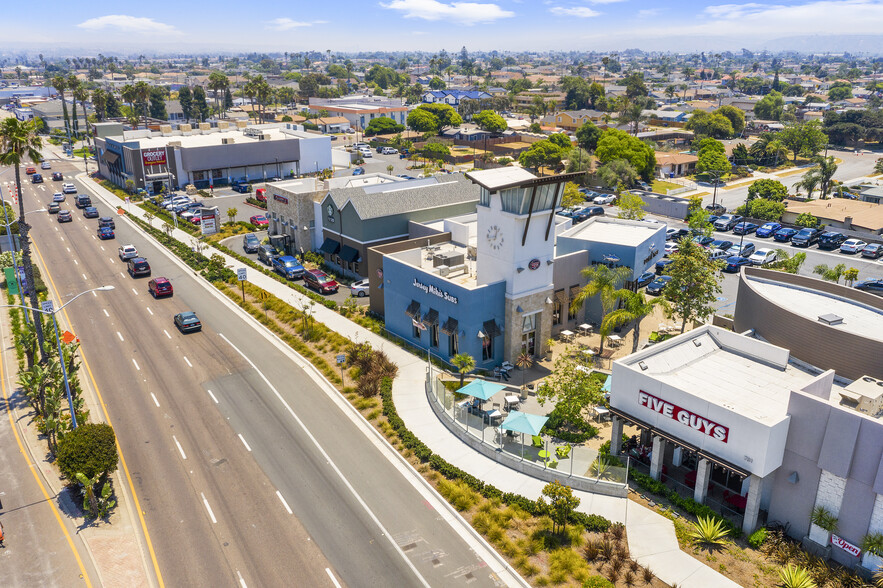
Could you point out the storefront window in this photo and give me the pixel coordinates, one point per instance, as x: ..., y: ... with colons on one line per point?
x: 433, y: 335
x: 453, y: 344
x: 417, y: 330
x: 487, y: 348
x: 571, y: 312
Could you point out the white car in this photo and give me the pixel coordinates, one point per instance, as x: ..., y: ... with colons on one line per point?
x: 389, y: 151
x: 45, y: 165
x: 670, y: 248
x: 763, y: 257
x: 853, y: 246
x: 605, y: 199
x: 359, y: 289
x: 177, y: 200
x: 128, y: 252
x: 365, y: 152
x: 68, y: 188
x: 717, y: 254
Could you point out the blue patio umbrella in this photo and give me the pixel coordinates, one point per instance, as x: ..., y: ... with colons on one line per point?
x: 481, y: 389
x: 523, y: 422
x: 606, y: 386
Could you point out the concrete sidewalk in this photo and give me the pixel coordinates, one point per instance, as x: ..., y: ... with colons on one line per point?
x: 651, y: 536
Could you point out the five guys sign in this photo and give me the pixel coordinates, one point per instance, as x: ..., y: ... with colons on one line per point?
x: 154, y: 156
x: 684, y: 416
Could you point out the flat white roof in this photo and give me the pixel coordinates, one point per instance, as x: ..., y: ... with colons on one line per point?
x: 857, y: 318
x: 616, y: 231
x: 501, y: 176
x: 209, y: 138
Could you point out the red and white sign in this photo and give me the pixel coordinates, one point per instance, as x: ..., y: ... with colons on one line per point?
x: 684, y: 416
x: 845, y: 545
x: 154, y: 156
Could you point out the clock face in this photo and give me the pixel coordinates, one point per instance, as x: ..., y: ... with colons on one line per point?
x: 330, y: 210
x: 495, y: 237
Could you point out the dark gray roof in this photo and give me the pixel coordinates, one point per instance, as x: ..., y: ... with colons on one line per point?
x: 403, y: 197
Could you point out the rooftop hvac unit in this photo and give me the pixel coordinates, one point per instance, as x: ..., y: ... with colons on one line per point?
x: 449, y: 258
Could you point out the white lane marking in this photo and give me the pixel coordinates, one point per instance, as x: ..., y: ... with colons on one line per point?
x: 241, y: 580
x: 76, y: 262
x: 148, y: 310
x: 155, y: 401
x: 120, y: 335
x: 282, y: 499
x: 84, y: 277
x: 105, y: 312
x: 56, y: 228
x: 167, y: 333
x: 187, y: 361
x: 68, y: 249
x: 333, y: 579
x: 241, y: 438
x: 136, y: 364
x: 213, y: 397
x: 102, y: 247
x: 135, y: 291
x: 331, y: 463
x: 209, y: 509
x: 181, y: 449
x: 94, y: 293
x: 122, y: 274
x: 111, y: 259
x: 43, y: 188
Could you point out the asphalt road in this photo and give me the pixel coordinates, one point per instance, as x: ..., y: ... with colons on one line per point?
x: 224, y: 433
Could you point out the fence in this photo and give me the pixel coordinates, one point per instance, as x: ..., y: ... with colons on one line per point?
x: 542, y: 457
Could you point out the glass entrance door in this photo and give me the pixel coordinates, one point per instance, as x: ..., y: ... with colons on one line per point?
x: 528, y: 343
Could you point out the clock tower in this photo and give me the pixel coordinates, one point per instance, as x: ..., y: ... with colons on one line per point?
x: 516, y: 244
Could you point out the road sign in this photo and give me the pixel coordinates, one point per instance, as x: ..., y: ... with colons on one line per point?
x: 341, y: 358
x: 264, y: 295
x: 47, y: 306
x: 242, y: 274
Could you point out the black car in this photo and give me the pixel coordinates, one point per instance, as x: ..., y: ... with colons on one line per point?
x: 805, y: 237
x: 646, y: 278
x: 873, y: 286
x: 57, y: 177
x: 831, y: 240
x: 83, y: 200
x: 873, y: 251
x: 658, y: 285
x: 716, y: 209
x: 36, y: 179
x: 703, y: 240
x: 594, y: 211
x: 744, y: 228
x: 677, y: 234
x: 266, y: 253
x: 64, y: 216
x: 138, y: 266
x: 106, y: 221
x: 721, y: 244
x: 187, y: 322
x: 90, y: 212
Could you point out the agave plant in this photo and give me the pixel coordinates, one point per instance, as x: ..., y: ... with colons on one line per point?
x: 824, y: 518
x: 873, y: 543
x: 709, y: 531
x: 795, y: 577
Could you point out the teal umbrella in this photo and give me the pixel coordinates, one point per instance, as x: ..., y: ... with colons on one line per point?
x: 606, y: 386
x: 523, y: 422
x: 481, y: 389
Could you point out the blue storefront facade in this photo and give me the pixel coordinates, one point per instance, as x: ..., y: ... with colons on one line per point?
x: 442, y: 316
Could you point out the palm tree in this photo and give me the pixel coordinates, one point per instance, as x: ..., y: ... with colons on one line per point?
x: 218, y: 83
x: 60, y: 85
x: 524, y: 361
x: 830, y: 274
x: 82, y: 94
x: 603, y: 282
x: 142, y: 95
x: 73, y: 84
x: 128, y: 94
x: 19, y: 140
x: 99, y: 101
x: 810, y: 182
x: 632, y: 113
x: 465, y: 363
x: 823, y: 172
x: 635, y: 307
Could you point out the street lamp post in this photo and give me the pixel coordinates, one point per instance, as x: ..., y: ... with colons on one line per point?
x: 48, y: 309
x: 12, y: 246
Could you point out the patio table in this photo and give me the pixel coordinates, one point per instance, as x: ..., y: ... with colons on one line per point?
x: 511, y: 399
x: 567, y: 335
x: 585, y: 329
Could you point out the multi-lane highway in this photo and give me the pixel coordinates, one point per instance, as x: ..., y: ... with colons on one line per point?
x: 247, y: 472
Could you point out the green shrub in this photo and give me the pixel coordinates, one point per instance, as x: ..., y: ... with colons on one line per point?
x: 757, y: 538
x: 598, y: 582
x: 558, y: 426
x: 89, y: 449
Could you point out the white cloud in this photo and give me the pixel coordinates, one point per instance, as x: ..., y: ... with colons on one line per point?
x: 467, y: 13
x: 829, y: 17
x: 122, y: 23
x: 286, y: 24
x: 577, y: 11
x: 648, y: 12
x: 738, y: 10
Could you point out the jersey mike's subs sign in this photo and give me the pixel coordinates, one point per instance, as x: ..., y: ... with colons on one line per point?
x: 684, y: 416
x: 154, y: 156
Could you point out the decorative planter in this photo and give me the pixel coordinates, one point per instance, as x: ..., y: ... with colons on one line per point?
x: 819, y: 535
x: 871, y: 562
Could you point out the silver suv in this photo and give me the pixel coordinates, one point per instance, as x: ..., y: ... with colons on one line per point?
x: 250, y: 243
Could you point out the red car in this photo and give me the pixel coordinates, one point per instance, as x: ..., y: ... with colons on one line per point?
x: 319, y: 281
x: 259, y: 220
x: 160, y: 287
x: 260, y: 194
x: 31, y: 170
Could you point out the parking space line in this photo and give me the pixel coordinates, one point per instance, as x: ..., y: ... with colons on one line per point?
x: 155, y: 401
x: 167, y: 333
x: 208, y: 508
x: 213, y: 397
x: 137, y: 367
x: 76, y: 262
x: 181, y: 449
x: 68, y: 249
x: 102, y: 247
x: 111, y: 259
x: 241, y: 438
x: 187, y: 361
x: 122, y: 274
x: 285, y: 504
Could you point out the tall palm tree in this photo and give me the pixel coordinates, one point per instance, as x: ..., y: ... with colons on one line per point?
x: 73, y: 84
x: 218, y: 83
x: 809, y: 182
x: 60, y: 85
x: 636, y: 307
x: 603, y: 282
x: 99, y: 101
x: 824, y: 171
x: 632, y: 113
x: 142, y: 95
x: 82, y: 94
x: 128, y: 94
x: 19, y: 140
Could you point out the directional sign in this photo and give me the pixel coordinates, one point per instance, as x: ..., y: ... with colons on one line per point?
x: 341, y: 358
x: 241, y: 274
x: 47, y: 306
x: 264, y: 295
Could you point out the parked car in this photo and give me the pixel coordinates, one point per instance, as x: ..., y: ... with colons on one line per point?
x: 593, y: 211
x: 260, y: 194
x: 90, y: 212
x: 65, y: 216
x: 853, y: 246
x: 727, y: 221
x: 767, y: 229
x: 712, y: 219
x: 250, y: 243
x: 746, y: 250
x: 716, y: 208
x: 106, y: 221
x: 319, y: 281
x: 661, y: 265
x: 58, y: 197
x: 605, y: 199
x: 266, y: 253
x: 718, y: 254
x: 287, y: 266
x: 138, y: 266
x: 259, y: 220
x: 54, y: 208
x: 831, y: 240
x: 721, y: 244
x: 784, y: 235
x: 359, y: 289
x: 36, y: 179
x: 703, y: 240
x: 389, y: 151
x: 57, y: 176
x: 68, y: 188
x: 676, y: 234
x: 805, y: 237
x: 359, y: 171
x: 646, y: 278
x: 45, y: 165
x: 734, y: 263
x: 874, y: 286
x: 242, y: 188
x: 105, y: 233
x: 763, y: 256
x: 658, y: 285
x: 744, y: 228
x: 873, y: 251
x: 127, y: 252
x: 159, y: 287
x: 670, y: 248
x: 187, y: 322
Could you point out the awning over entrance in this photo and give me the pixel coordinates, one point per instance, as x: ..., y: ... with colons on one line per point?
x: 413, y: 309
x: 330, y: 246
x: 450, y: 327
x: 430, y: 319
x: 349, y: 254
x: 111, y: 157
x: 491, y: 329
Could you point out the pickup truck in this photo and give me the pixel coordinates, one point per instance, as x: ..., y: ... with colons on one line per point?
x: 288, y: 266
x: 242, y: 188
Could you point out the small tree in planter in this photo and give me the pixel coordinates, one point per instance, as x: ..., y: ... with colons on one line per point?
x: 549, y: 343
x: 823, y: 524
x: 872, y: 547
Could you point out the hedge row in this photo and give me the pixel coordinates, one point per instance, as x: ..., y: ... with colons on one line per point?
x: 686, y: 504
x: 591, y: 522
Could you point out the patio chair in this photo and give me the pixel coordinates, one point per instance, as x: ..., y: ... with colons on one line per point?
x: 553, y: 464
x: 562, y: 451
x: 537, y: 441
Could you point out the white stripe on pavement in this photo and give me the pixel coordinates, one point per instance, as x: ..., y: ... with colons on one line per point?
x: 208, y: 508
x: 187, y: 361
x: 136, y: 364
x: 213, y: 397
x: 155, y: 401
x: 285, y: 504
x: 333, y: 579
x: 241, y: 438
x: 181, y: 449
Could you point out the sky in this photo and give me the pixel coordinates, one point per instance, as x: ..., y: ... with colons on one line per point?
x: 168, y: 26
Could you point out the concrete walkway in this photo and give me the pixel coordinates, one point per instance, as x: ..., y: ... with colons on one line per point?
x: 651, y: 536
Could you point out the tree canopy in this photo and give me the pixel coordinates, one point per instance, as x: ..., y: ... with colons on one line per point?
x: 768, y: 189
x: 714, y: 124
x: 770, y: 107
x: 490, y: 121
x: 383, y: 125
x: 441, y: 116
x: 806, y: 139
x: 694, y: 285
x: 542, y: 153
x: 587, y: 136
x: 616, y: 144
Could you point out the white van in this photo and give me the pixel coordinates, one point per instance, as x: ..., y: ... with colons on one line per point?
x: 718, y: 254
